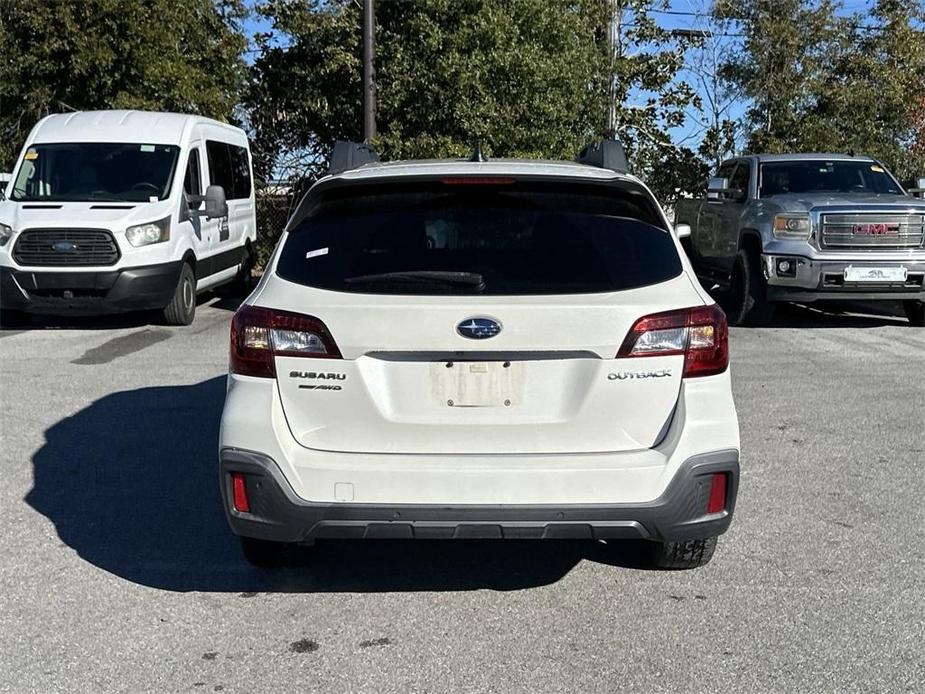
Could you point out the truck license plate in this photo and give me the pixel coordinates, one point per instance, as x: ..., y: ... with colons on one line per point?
x: 875, y: 274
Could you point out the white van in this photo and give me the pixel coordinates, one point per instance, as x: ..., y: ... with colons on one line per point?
x: 112, y: 211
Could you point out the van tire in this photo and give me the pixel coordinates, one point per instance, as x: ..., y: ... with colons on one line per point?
x: 689, y: 554
x: 749, y: 303
x: 264, y: 554
x: 182, y: 307
x: 915, y: 312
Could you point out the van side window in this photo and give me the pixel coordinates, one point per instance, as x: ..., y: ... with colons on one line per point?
x: 192, y: 183
x: 229, y: 167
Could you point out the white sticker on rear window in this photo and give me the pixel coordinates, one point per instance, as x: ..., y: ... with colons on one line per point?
x: 147, y: 148
x: 315, y: 253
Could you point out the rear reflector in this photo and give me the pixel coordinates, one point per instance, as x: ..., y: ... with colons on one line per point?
x: 700, y: 333
x: 239, y: 487
x: 259, y: 335
x: 717, y: 501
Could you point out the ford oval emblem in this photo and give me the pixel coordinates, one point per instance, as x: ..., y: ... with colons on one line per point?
x: 479, y: 328
x: 64, y: 246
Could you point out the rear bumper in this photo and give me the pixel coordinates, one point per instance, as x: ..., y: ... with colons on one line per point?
x: 815, y: 279
x: 110, y: 291
x: 278, y: 514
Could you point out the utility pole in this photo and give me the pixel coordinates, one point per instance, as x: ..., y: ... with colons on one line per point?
x: 369, y: 73
x: 613, y: 41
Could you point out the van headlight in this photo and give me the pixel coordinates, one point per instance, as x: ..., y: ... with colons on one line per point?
x: 5, y: 233
x: 146, y: 234
x: 791, y: 226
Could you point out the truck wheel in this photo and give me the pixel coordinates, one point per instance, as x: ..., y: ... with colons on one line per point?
x: 265, y: 554
x: 182, y: 307
x: 749, y: 302
x: 690, y: 554
x: 915, y: 312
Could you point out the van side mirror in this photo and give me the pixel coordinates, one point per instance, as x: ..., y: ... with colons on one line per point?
x: 683, y: 230
x: 216, y: 205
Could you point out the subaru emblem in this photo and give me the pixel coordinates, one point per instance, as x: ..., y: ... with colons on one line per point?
x: 64, y: 246
x: 479, y: 328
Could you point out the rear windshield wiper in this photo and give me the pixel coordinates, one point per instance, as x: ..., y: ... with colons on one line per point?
x: 467, y: 280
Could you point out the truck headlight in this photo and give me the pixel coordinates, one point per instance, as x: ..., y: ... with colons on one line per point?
x: 146, y: 234
x: 5, y: 233
x: 791, y: 226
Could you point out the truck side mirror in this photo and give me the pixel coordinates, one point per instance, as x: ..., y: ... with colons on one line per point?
x: 919, y: 188
x: 716, y: 187
x: 216, y: 205
x: 682, y: 230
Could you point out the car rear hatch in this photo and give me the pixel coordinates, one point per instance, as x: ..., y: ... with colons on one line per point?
x: 480, y: 318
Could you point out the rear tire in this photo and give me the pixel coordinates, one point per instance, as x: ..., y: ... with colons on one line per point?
x: 243, y: 282
x: 915, y: 312
x: 14, y: 319
x: 182, y: 307
x: 264, y: 554
x: 690, y: 554
x: 749, y: 290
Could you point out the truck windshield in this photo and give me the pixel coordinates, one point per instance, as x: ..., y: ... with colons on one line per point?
x: 821, y: 176
x: 93, y: 171
x: 520, y: 238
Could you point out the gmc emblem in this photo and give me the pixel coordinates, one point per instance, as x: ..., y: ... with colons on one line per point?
x: 875, y: 229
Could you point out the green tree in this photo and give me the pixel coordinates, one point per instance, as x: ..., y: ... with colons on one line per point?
x: 528, y: 78
x: 156, y: 54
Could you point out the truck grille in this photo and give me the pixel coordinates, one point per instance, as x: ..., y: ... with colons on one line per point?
x: 65, y: 247
x: 872, y: 231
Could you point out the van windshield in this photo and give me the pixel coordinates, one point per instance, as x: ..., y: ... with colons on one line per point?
x: 515, y: 239
x: 94, y: 171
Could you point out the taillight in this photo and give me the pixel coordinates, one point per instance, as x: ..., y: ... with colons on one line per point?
x: 259, y: 335
x: 701, y: 334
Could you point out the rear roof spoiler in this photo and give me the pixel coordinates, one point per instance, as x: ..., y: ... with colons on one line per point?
x: 605, y: 154
x: 350, y: 155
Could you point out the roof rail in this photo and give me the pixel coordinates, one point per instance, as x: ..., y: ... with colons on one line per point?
x: 350, y: 155
x: 605, y: 154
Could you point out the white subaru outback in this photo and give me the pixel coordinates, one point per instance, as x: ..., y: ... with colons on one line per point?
x: 480, y: 349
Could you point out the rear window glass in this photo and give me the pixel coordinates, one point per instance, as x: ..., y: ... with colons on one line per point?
x: 521, y: 238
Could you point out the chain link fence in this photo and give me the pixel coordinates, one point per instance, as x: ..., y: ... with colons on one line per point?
x: 273, y: 210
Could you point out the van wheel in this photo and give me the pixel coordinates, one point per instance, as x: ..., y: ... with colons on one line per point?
x: 265, y: 554
x: 915, y: 312
x: 749, y: 302
x: 182, y: 307
x: 690, y: 554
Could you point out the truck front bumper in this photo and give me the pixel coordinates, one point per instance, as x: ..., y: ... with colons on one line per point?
x: 92, y: 292
x: 278, y: 514
x: 811, y: 279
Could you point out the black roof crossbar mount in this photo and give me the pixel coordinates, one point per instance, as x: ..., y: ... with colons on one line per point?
x: 605, y: 154
x: 350, y: 155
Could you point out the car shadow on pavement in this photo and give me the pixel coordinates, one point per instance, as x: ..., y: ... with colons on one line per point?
x: 115, y: 321
x: 830, y: 314
x: 131, y: 484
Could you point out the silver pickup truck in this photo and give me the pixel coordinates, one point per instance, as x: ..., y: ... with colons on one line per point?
x: 805, y: 227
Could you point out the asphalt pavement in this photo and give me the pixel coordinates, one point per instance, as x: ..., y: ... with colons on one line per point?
x: 118, y: 572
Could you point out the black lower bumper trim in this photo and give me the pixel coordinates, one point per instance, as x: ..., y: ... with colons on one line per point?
x: 850, y: 293
x: 113, y: 291
x: 277, y: 513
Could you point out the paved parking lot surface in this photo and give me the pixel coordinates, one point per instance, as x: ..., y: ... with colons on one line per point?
x: 118, y: 572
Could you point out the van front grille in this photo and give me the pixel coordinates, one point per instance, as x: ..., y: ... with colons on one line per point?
x: 65, y: 247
